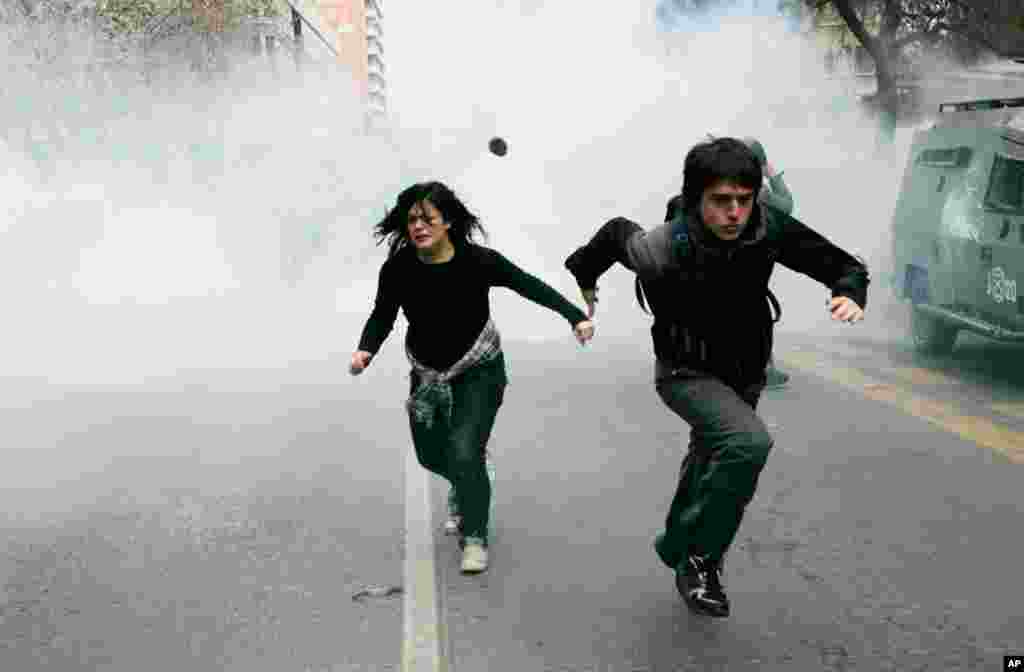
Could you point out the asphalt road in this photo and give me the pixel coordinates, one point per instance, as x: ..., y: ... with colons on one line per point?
x: 878, y: 540
x: 223, y: 520
x: 211, y: 521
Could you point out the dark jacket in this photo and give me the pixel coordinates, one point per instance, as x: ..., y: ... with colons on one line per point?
x: 708, y: 297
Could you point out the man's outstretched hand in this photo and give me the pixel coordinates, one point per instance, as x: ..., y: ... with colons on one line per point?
x: 845, y: 309
x: 360, y: 360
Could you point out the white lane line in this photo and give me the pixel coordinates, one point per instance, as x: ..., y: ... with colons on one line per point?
x: 424, y: 636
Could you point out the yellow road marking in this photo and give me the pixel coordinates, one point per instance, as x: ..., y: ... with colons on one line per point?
x: 981, y: 431
x: 915, y: 375
x: 919, y: 376
x: 1011, y: 408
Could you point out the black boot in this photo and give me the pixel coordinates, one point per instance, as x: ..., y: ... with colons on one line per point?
x: 700, y: 583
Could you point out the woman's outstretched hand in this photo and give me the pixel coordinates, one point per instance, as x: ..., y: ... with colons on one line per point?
x: 584, y: 331
x: 360, y: 360
x: 590, y: 298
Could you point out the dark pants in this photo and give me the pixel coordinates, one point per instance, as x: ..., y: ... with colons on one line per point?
x: 457, y: 450
x: 729, y: 446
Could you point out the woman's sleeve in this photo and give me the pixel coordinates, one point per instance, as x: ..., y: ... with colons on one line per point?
x: 385, y: 310
x: 506, y: 274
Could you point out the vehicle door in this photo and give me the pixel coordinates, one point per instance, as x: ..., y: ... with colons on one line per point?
x: 953, y: 173
x: 1002, y: 246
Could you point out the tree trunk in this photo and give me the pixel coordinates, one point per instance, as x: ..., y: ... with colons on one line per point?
x: 879, y: 48
x: 885, y: 67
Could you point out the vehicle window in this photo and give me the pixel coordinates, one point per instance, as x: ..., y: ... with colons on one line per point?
x: 1006, y: 185
x: 944, y: 158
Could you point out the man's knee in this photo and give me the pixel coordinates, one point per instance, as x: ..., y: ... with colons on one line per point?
x: 736, y: 466
x: 746, y: 450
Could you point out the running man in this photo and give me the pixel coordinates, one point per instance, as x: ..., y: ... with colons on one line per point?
x: 441, y: 279
x: 774, y: 192
x: 705, y: 274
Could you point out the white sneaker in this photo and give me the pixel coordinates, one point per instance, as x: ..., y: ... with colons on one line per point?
x: 474, y: 557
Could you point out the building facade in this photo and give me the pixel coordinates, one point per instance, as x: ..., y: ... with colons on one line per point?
x: 357, y: 28
x: 350, y: 32
x: 376, y: 80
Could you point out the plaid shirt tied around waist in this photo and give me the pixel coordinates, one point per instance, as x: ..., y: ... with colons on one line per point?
x: 433, y: 394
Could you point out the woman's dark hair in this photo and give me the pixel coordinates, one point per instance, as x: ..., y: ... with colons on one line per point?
x: 464, y: 224
x: 721, y: 159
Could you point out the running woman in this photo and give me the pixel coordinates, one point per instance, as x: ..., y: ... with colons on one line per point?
x: 441, y: 280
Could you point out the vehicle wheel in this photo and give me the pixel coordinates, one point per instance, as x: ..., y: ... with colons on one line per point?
x: 931, y: 335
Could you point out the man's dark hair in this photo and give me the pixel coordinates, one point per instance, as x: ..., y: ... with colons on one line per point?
x: 721, y: 159
x: 464, y: 224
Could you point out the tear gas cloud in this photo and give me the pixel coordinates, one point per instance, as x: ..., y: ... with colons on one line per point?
x: 188, y: 226
x: 599, y: 109
x: 179, y: 226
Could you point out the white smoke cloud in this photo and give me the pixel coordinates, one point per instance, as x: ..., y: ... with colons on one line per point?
x: 600, y: 107
x: 181, y: 226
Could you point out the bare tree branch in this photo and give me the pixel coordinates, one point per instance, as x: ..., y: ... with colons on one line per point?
x: 965, y: 27
x: 926, y: 14
x: 855, y: 24
x: 903, y: 41
x: 970, y: 32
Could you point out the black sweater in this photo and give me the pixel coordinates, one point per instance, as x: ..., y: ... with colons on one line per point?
x: 447, y: 304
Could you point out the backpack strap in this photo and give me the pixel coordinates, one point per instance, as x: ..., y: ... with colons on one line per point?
x: 776, y: 306
x: 662, y: 249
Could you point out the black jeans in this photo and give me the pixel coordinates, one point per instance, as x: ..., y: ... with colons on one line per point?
x: 729, y: 446
x: 457, y: 450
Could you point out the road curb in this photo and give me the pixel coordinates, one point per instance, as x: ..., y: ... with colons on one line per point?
x: 424, y: 634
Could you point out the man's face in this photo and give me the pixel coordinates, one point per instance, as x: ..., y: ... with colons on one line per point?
x: 725, y: 208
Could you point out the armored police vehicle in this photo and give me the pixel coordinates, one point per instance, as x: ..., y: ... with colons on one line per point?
x: 958, y: 225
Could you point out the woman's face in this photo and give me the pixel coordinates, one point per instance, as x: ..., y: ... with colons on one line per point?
x: 426, y: 227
